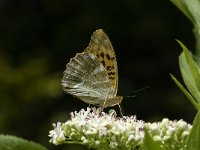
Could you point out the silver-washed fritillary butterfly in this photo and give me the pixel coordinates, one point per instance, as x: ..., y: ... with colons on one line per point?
x: 92, y: 76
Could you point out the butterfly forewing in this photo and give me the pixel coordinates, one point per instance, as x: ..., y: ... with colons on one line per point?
x: 101, y: 46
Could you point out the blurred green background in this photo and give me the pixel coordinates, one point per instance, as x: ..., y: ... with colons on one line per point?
x: 38, y: 37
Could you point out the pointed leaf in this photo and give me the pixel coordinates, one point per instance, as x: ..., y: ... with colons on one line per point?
x: 190, y: 72
x: 191, y: 9
x: 8, y: 142
x: 194, y: 137
x: 187, y: 94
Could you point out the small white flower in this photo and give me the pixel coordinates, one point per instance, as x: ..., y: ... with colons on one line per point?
x: 185, y: 134
x: 84, y: 140
x: 170, y: 131
x: 157, y: 138
x: 181, y: 125
x: 164, y: 124
x: 91, y: 131
x: 97, y: 142
x: 154, y: 127
x: 166, y: 137
x: 57, y: 135
x: 131, y: 138
x: 113, y: 144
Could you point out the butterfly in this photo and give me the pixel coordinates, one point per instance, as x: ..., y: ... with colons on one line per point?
x: 92, y: 76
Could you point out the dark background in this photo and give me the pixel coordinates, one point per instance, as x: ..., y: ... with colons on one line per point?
x: 38, y: 37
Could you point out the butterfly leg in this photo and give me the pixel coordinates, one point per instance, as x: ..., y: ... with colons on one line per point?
x: 104, y: 103
x: 120, y: 109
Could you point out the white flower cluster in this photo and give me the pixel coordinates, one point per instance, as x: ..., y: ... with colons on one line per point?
x: 99, y: 130
x: 171, y: 134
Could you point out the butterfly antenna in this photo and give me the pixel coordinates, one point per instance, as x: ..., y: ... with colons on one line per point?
x: 144, y: 88
x: 131, y: 96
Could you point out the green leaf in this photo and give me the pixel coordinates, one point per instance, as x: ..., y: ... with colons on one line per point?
x: 8, y: 142
x: 190, y: 72
x: 191, y: 9
x: 194, y: 137
x: 187, y: 94
x: 150, y: 144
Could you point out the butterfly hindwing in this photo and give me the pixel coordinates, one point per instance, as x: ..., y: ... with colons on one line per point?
x: 86, y: 78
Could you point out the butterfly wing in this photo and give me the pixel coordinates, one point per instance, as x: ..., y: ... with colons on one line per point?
x: 86, y: 78
x: 101, y: 46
